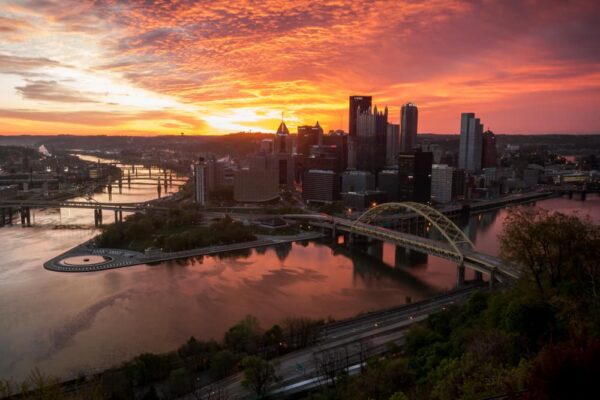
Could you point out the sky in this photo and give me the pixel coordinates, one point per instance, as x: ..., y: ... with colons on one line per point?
x: 214, y: 67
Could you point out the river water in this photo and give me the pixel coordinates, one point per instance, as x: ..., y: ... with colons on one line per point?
x: 65, y: 323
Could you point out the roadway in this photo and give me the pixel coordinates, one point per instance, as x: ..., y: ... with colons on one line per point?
x: 348, y: 343
x: 469, y: 257
x: 128, y: 207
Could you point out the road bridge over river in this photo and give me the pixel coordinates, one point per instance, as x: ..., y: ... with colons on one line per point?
x: 23, y: 207
x: 456, y: 247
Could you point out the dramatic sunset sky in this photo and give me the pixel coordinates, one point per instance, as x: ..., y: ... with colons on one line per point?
x: 211, y: 67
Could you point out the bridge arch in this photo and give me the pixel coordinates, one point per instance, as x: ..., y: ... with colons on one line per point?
x: 452, y: 233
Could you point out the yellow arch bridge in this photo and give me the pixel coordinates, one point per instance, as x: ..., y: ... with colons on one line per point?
x: 456, y: 245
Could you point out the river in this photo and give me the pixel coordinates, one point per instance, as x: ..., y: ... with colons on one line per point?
x: 65, y: 323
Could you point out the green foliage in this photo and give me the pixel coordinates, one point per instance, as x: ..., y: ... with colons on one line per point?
x: 558, y: 252
x: 223, y: 364
x: 148, y: 367
x: 259, y: 374
x: 245, y: 336
x: 179, y: 382
x: 178, y: 229
x: 565, y: 371
x: 381, y: 379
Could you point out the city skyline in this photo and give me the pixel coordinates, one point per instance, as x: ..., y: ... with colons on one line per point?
x: 171, y: 67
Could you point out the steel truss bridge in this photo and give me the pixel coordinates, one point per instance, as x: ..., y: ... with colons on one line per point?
x: 92, y: 205
x: 456, y: 247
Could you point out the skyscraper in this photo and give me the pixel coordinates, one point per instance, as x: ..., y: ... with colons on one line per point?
x: 200, y: 182
x: 282, y: 155
x: 471, y: 135
x: 340, y: 141
x: 489, y: 153
x: 370, y: 139
x: 392, y: 147
x: 283, y: 143
x: 364, y: 102
x: 356, y: 103
x: 441, y: 183
x: 309, y: 136
x: 409, y: 118
x: 414, y: 176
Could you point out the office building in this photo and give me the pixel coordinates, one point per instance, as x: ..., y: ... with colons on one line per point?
x: 320, y: 186
x: 309, y: 136
x: 459, y: 183
x: 471, y: 135
x: 392, y: 147
x: 266, y: 146
x: 387, y: 182
x: 441, y: 183
x: 357, y: 181
x: 370, y: 140
x: 356, y: 103
x: 489, y: 152
x: 340, y: 141
x: 323, y: 157
x: 362, y: 200
x: 409, y: 119
x: 283, y: 142
x: 414, y: 176
x: 434, y: 148
x: 256, y: 185
x: 200, y: 189
x: 282, y: 155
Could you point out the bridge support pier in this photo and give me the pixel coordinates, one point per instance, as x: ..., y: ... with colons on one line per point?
x: 492, y: 278
x: 583, y: 194
x: 375, y: 249
x: 460, y: 275
x: 404, y: 257
x: 98, y: 217
x: 478, y: 276
x: 25, y: 216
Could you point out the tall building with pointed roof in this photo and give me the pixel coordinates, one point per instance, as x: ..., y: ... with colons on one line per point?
x: 309, y: 136
x: 370, y: 140
x: 282, y: 154
x: 283, y: 129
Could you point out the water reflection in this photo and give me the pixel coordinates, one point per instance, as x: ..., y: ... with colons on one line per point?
x: 63, y: 323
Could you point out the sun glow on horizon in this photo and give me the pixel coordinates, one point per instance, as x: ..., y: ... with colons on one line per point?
x: 133, y: 68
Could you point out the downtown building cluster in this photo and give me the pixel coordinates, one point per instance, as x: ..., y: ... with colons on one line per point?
x: 376, y: 161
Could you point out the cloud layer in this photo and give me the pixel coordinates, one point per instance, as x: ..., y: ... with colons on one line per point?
x: 522, y: 65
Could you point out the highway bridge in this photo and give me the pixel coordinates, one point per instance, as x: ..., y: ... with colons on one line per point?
x: 456, y: 247
x: 23, y: 207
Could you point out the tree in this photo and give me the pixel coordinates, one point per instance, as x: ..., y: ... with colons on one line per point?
x: 244, y: 337
x: 565, y: 372
x: 259, y: 374
x: 223, y: 364
x: 557, y: 251
x: 180, y: 382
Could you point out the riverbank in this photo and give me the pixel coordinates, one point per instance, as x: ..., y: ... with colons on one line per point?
x: 120, y: 258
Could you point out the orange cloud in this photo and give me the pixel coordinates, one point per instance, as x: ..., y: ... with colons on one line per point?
x: 237, y: 65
